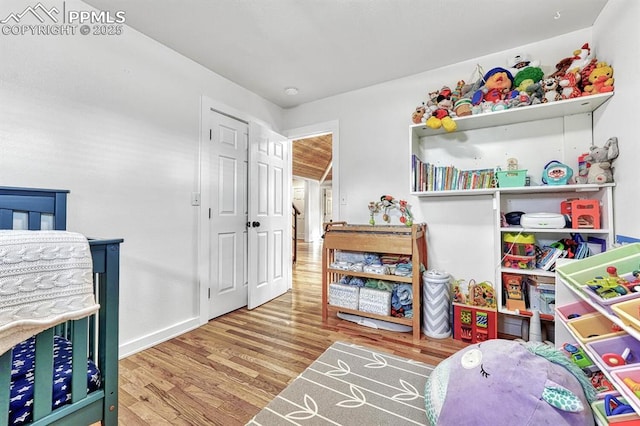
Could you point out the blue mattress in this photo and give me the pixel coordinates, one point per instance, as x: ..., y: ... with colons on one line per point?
x: 22, y: 376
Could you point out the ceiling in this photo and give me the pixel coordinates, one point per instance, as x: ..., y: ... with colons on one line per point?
x: 312, y: 158
x: 328, y: 47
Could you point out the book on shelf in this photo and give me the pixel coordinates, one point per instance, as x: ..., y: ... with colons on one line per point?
x: 547, y: 258
x: 430, y: 177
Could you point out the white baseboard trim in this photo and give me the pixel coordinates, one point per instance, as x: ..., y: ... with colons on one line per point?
x: 150, y: 340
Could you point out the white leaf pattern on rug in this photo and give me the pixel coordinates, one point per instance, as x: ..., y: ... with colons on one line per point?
x: 381, y: 362
x: 410, y: 394
x: 310, y: 411
x: 342, y: 371
x: 358, y: 399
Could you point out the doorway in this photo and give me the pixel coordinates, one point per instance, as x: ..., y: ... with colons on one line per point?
x: 315, y: 176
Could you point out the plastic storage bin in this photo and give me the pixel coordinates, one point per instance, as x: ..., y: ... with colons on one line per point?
x: 593, y: 327
x: 628, y: 312
x: 625, y: 258
x: 511, y: 178
x: 580, y: 308
x: 605, y: 351
x: 599, y: 412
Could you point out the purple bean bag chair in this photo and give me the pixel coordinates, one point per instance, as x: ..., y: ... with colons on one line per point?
x: 505, y: 382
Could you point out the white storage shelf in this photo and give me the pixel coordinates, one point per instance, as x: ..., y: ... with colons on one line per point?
x: 533, y: 135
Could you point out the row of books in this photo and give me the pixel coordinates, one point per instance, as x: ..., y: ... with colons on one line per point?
x: 429, y: 177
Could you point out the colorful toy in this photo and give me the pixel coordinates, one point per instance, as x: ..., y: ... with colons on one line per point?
x: 556, y: 173
x: 418, y: 114
x: 497, y: 87
x: 569, y: 85
x: 577, y: 355
x: 599, y: 169
x: 386, y: 204
x: 600, y: 80
x: 440, y: 116
x: 506, y: 382
x: 633, y: 385
x: 473, y: 324
x: 614, y: 407
x: 550, y: 86
x: 520, y: 63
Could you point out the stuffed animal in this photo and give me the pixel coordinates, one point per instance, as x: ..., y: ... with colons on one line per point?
x: 497, y: 87
x: 506, y: 382
x: 569, y: 85
x: 418, y: 114
x: 600, y: 80
x: 550, y: 89
x: 599, y: 168
x: 521, y: 62
x: 440, y: 116
x: 580, y: 59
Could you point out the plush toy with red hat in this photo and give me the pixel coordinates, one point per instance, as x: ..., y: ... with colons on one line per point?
x: 497, y: 87
x: 441, y: 114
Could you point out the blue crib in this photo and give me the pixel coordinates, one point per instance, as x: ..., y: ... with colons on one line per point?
x: 93, y: 338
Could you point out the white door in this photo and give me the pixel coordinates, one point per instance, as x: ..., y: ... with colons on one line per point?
x: 225, y: 227
x: 269, y: 215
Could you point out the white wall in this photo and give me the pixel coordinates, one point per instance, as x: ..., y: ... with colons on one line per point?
x: 376, y: 119
x: 116, y: 120
x: 616, y: 34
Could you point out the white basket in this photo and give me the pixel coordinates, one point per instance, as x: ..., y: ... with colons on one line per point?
x: 345, y: 296
x: 375, y: 301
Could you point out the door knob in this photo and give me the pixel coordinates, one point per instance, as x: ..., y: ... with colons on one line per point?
x: 255, y: 224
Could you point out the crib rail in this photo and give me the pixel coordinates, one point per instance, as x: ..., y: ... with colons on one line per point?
x: 94, y: 337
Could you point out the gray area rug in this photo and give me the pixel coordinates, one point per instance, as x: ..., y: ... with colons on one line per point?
x: 352, y: 385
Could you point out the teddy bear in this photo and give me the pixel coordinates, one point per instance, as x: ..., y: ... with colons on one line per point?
x: 521, y: 62
x: 599, y: 169
x: 600, y: 80
x: 441, y: 116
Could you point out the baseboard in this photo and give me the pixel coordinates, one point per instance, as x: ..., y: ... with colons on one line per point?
x: 150, y: 340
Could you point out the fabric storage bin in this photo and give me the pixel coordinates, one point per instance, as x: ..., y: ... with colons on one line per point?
x: 374, y: 301
x: 343, y: 295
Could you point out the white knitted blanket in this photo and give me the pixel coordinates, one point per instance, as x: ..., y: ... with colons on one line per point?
x: 45, y: 279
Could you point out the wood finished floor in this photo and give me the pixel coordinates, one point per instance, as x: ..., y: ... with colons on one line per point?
x: 226, y: 371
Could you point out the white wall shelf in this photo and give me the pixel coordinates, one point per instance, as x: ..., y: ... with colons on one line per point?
x: 519, y: 115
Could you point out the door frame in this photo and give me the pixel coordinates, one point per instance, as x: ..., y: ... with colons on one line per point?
x: 201, y: 192
x: 332, y: 127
